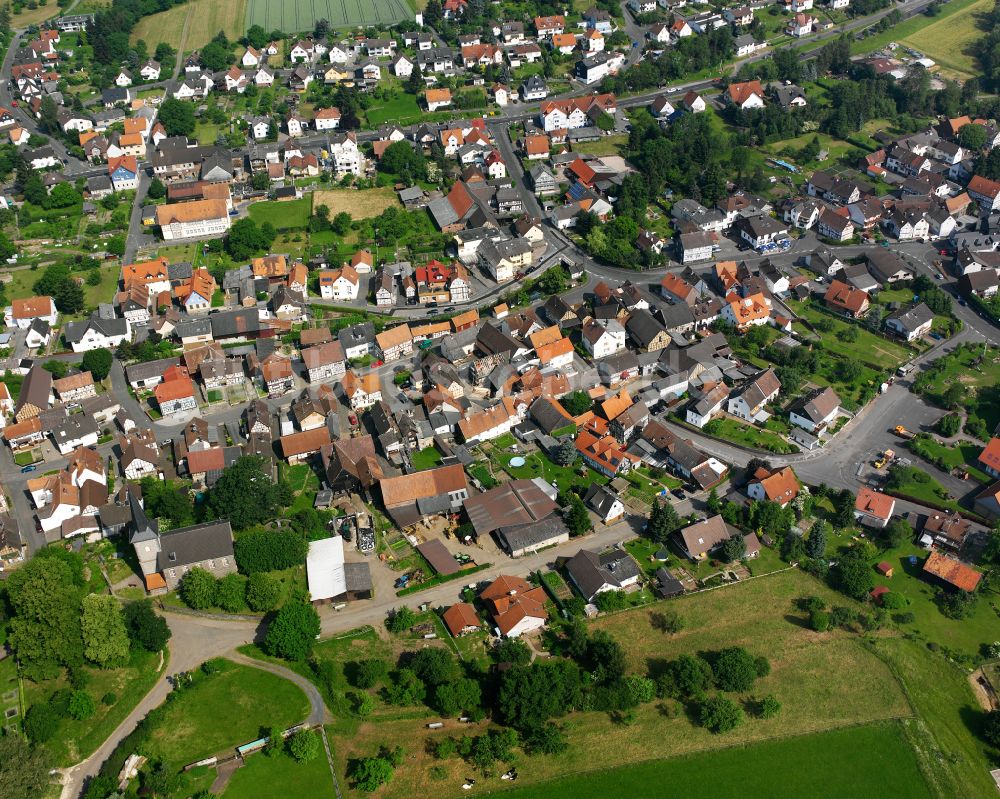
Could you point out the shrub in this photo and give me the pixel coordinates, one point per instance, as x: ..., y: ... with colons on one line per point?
x: 719, y: 714
x: 304, y: 746
x: 109, y: 699
x: 198, y: 589
x: 893, y: 600
x: 262, y: 592
x: 819, y: 620
x: 769, y: 707
x: 734, y: 669
x: 269, y: 550
x: 81, y: 705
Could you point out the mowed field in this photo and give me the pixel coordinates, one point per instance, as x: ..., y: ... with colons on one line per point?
x: 300, y: 15
x: 207, y: 18
x: 949, y: 41
x: 359, y: 204
x: 859, y: 761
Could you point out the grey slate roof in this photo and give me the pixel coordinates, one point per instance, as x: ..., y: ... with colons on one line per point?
x: 189, y: 545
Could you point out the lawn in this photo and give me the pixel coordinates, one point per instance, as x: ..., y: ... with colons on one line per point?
x: 565, y: 477
x: 976, y: 370
x: 300, y: 15
x: 606, y: 145
x: 207, y: 18
x: 426, y: 458
x: 861, y: 761
x: 103, y: 291
x: 225, y: 710
x: 264, y: 777
x: 949, y: 41
x: 951, y: 755
x: 868, y: 348
x: 360, y: 204
x: 288, y: 215
x: 962, y: 455
x: 400, y: 110
x: 918, y: 485
x: 929, y: 623
x: 747, y: 435
x: 75, y: 740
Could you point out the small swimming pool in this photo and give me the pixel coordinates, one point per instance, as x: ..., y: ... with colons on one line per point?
x: 516, y: 461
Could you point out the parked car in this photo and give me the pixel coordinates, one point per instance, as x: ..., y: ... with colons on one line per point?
x: 29, y: 468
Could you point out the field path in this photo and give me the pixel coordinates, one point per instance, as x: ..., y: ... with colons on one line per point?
x: 183, y: 42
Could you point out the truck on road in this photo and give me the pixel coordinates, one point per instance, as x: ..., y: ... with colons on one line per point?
x: 902, y: 432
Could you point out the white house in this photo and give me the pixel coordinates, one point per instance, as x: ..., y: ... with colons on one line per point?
x: 603, y: 338
x: 22, y: 313
x: 339, y: 284
x: 815, y: 411
x: 97, y: 333
x: 327, y: 119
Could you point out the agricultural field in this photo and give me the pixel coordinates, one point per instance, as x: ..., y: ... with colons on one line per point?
x: 300, y: 15
x: 193, y: 24
x: 912, y: 26
x: 949, y: 41
x: 874, y: 759
x: 359, y: 204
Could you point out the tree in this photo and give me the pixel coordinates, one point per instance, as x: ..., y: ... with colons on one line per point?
x: 145, y: 628
x: 949, y: 424
x: 532, y: 694
x: 734, y: 548
x: 512, y: 650
x: 453, y: 698
x: 369, y: 773
x: 275, y: 741
x: 816, y: 542
x: 177, y: 117
x: 434, y: 666
x: 401, y: 158
x: 45, y: 628
x: 197, y: 589
x: 81, y: 704
x: 991, y: 727
x: 24, y: 770
x: 576, y: 402
x: 105, y: 637
x: 69, y: 297
x: 956, y: 605
x: 247, y: 238
x: 853, y: 575
x: 663, y: 521
x: 213, y: 56
x: 895, y: 533
x: 98, y: 363
x: 719, y: 714
x: 713, y: 503
x: 156, y: 190
x: 972, y: 137
x: 304, y: 746
x: 263, y: 592
x: 257, y: 37
x: 564, y: 453
x: 293, y: 631
x: 734, y: 669
x: 406, y: 688
x: 230, y: 593
x: 400, y: 620
x: 246, y: 495
x: 269, y: 550
x: 576, y: 516
x: 40, y: 723
x: 686, y: 677
x: 367, y: 673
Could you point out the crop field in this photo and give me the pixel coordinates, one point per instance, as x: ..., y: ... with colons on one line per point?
x: 300, y: 15
x: 949, y: 41
x: 193, y: 24
x: 360, y: 204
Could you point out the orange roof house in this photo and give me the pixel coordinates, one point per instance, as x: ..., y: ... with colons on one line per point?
x: 515, y: 605
x: 846, y: 299
x: 145, y: 273
x: 273, y: 267
x: 32, y: 307
x: 739, y: 93
x: 952, y: 572
x: 989, y: 458
x: 779, y: 485
x: 873, y: 508
x: 461, y: 618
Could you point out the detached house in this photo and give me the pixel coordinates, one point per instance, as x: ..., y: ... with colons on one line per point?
x: 815, y: 411
x: 748, y: 401
x: 778, y: 485
x: 846, y: 300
